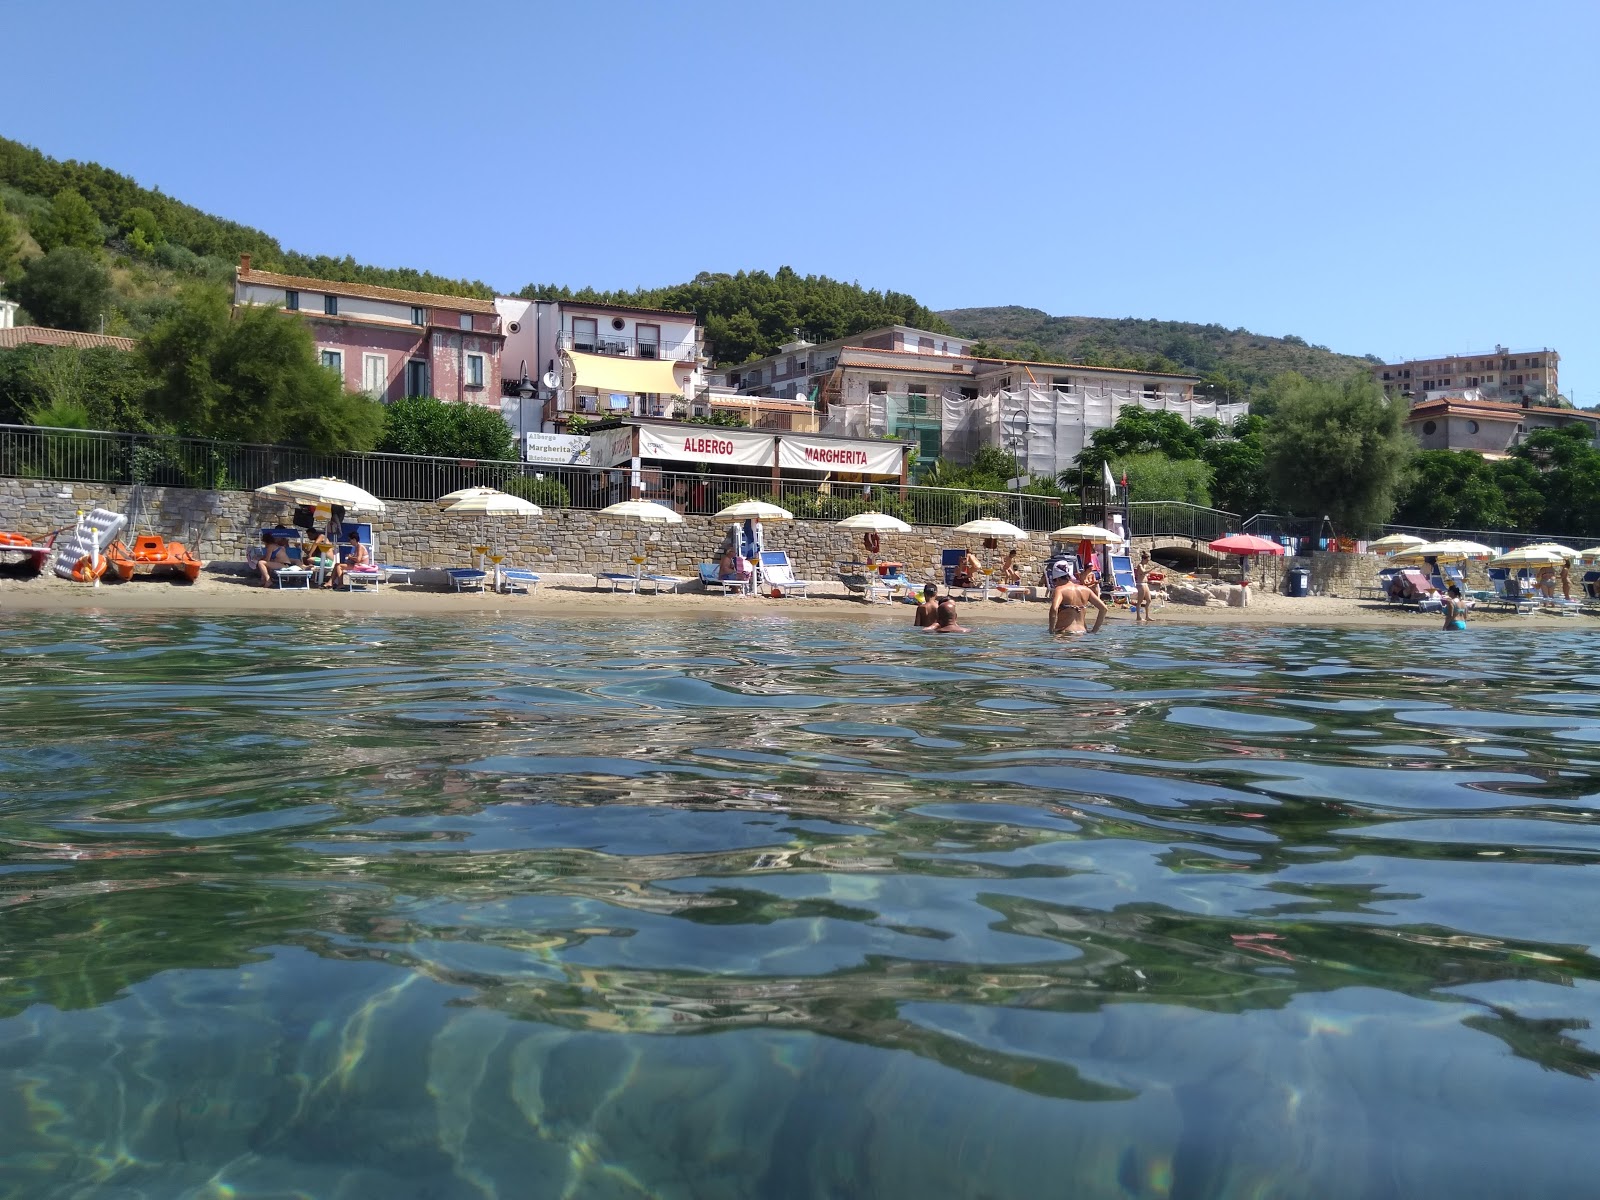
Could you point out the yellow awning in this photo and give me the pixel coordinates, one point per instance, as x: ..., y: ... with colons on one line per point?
x: 607, y: 374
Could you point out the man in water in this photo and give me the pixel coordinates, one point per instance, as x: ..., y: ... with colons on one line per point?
x: 928, y: 609
x: 944, y: 618
x: 1068, y: 599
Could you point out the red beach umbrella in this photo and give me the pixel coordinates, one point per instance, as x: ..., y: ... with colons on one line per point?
x: 1245, y: 543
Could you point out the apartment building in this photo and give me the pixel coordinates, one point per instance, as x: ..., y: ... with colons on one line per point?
x: 388, y: 342
x: 1486, y: 427
x: 567, y: 358
x: 1500, y: 374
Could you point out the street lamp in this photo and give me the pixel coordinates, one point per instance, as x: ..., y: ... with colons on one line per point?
x: 524, y: 394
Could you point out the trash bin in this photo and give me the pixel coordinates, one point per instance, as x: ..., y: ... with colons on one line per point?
x: 1299, y: 581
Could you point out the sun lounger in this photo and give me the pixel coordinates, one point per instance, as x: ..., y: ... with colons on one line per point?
x: 1122, y: 585
x: 778, y: 572
x: 627, y: 579
x: 1508, y: 592
x: 467, y: 578
x: 293, y: 577
x: 514, y: 579
x: 667, y: 583
x: 711, y: 579
x: 949, y: 561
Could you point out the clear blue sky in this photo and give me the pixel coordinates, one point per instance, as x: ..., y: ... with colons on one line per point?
x: 1400, y: 179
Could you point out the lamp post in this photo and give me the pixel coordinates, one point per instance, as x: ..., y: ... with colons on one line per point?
x: 524, y: 394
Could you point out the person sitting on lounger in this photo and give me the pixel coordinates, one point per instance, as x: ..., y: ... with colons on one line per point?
x: 944, y: 619
x: 732, y: 565
x: 929, y: 608
x: 274, y: 560
x: 358, y: 558
x: 967, y: 572
x: 1068, y: 601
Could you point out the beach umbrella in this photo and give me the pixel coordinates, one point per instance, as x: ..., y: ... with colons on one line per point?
x: 460, y: 494
x: 486, y: 502
x: 874, y: 522
x: 990, y: 528
x: 1087, y: 533
x: 1590, y: 557
x: 1244, y: 544
x: 1554, y: 548
x: 1528, y: 556
x: 754, y: 510
x: 324, y: 490
x: 1395, y: 542
x: 647, y: 511
x: 1450, y: 550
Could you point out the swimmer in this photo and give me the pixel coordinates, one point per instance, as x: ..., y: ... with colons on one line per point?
x: 944, y: 619
x: 1067, y: 603
x: 927, y: 611
x: 1455, y: 610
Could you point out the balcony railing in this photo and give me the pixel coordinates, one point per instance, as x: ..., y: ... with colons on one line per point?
x: 618, y: 346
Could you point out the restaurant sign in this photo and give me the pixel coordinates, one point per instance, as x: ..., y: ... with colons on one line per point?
x: 858, y: 458
x: 558, y: 449
x: 706, y: 444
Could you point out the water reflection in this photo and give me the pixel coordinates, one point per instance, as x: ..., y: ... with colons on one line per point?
x: 766, y: 908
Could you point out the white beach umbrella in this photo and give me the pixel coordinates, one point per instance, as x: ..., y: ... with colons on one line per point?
x: 1396, y: 542
x: 1449, y: 551
x: 990, y: 528
x: 755, y: 510
x: 647, y: 511
x: 874, y: 522
x: 1554, y: 548
x: 1590, y: 557
x: 324, y: 490
x: 1087, y: 533
x: 1529, y: 556
x: 460, y: 494
x: 494, y: 504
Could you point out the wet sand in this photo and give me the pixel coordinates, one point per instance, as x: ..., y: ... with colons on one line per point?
x: 576, y: 596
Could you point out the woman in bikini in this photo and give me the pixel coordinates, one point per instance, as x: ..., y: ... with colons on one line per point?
x: 1068, y: 601
x: 275, y: 560
x: 1455, y: 610
x: 966, y: 575
x: 1141, y: 588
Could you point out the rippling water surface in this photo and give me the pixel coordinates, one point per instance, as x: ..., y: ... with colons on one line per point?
x: 782, y: 908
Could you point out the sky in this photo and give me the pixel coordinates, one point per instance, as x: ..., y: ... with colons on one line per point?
x: 1400, y: 179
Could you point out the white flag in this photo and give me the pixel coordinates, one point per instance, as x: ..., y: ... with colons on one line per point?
x: 1111, y: 484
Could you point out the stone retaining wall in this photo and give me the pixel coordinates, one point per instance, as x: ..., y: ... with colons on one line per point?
x: 220, y: 526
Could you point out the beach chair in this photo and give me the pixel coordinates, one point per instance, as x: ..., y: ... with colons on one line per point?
x: 667, y: 583
x: 366, y: 578
x: 1122, y: 589
x: 949, y: 560
x: 518, y: 579
x: 778, y: 572
x: 711, y: 579
x: 465, y: 579
x: 1590, y: 583
x: 1508, y: 592
x: 620, y: 579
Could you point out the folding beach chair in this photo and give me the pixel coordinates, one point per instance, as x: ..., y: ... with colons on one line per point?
x: 467, y: 578
x: 1122, y: 589
x: 1508, y: 591
x: 711, y: 579
x: 949, y: 561
x: 778, y: 572
x: 518, y: 579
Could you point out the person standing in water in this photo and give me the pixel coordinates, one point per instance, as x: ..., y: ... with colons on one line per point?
x: 944, y: 619
x: 1068, y: 601
x: 928, y: 609
x: 1141, y: 588
x: 1455, y: 610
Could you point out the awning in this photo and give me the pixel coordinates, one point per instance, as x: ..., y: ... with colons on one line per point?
x: 607, y: 374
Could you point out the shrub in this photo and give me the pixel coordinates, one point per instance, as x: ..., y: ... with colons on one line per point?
x: 546, y: 492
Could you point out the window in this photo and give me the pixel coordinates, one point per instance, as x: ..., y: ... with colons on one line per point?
x: 1152, y: 390
x: 927, y: 444
x: 877, y: 387
x: 969, y: 393
x: 1063, y: 383
x: 466, y: 321
x: 417, y: 378
x: 291, y: 301
x: 474, y: 370
x: 333, y: 360
x: 1472, y: 427
x: 1005, y: 382
x: 330, y: 305
x: 618, y: 324
x: 374, y: 374
x: 418, y: 315
x: 649, y: 340
x: 585, y: 333
x: 917, y: 399
x: 1430, y: 428
x: 925, y: 345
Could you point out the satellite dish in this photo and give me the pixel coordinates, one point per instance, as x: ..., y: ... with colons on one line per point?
x: 551, y: 380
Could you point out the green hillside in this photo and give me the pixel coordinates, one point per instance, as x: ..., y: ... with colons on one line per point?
x: 1235, y: 361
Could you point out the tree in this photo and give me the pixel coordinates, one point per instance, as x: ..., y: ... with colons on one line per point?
x: 1142, y: 431
x: 109, y: 385
x: 65, y: 289
x: 142, y: 229
x: 445, y: 429
x: 252, y: 378
x: 1452, y: 489
x: 1336, y: 449
x: 69, y: 223
x: 10, y: 247
x: 1568, y: 477
x: 1156, y: 476
x: 1237, y: 461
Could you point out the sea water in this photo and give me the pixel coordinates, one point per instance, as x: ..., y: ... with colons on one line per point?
x: 768, y: 907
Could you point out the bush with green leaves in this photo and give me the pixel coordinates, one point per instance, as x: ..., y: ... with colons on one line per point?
x: 546, y: 492
x: 66, y: 289
x: 446, y: 429
x: 71, y: 222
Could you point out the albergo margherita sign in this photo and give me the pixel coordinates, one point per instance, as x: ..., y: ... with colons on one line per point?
x: 707, y: 444
x: 859, y: 458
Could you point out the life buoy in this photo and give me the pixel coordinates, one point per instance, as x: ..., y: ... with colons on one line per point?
x: 870, y: 541
x: 84, y: 571
x: 15, y: 539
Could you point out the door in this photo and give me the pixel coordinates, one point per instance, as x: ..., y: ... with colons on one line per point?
x: 417, y: 378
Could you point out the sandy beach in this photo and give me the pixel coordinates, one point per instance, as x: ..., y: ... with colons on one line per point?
x: 576, y: 597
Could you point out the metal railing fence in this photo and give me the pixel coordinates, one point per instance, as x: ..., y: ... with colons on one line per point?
x: 1273, y: 525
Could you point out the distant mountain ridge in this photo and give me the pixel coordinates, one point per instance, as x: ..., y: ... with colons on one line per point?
x: 1235, y: 361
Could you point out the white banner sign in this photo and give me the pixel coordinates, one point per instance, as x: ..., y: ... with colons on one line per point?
x: 859, y: 458
x: 706, y: 444
x: 564, y: 449
x: 611, y: 447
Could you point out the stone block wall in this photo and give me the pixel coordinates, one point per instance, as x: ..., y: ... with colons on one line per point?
x: 219, y: 526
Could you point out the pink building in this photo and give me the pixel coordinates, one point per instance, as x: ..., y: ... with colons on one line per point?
x: 387, y: 342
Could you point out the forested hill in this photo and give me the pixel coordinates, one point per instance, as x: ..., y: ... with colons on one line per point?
x: 750, y: 314
x: 174, y: 236
x: 1234, y: 359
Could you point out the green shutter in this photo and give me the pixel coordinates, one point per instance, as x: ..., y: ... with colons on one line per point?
x: 928, y: 444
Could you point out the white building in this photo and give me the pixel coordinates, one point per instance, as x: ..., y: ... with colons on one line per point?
x: 597, y: 361
x: 8, y: 312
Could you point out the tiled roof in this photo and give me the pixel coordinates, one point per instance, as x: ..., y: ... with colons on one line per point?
x: 1059, y: 367
x: 334, y: 287
x: 38, y: 335
x: 629, y: 308
x: 1489, y: 408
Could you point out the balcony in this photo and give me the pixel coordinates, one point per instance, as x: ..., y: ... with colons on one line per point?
x: 617, y: 346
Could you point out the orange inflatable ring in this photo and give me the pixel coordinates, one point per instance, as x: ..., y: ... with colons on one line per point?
x: 83, y: 570
x: 15, y: 539
x: 870, y: 541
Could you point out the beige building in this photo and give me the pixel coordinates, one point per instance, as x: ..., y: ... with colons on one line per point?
x: 1500, y: 374
x: 1487, y: 428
